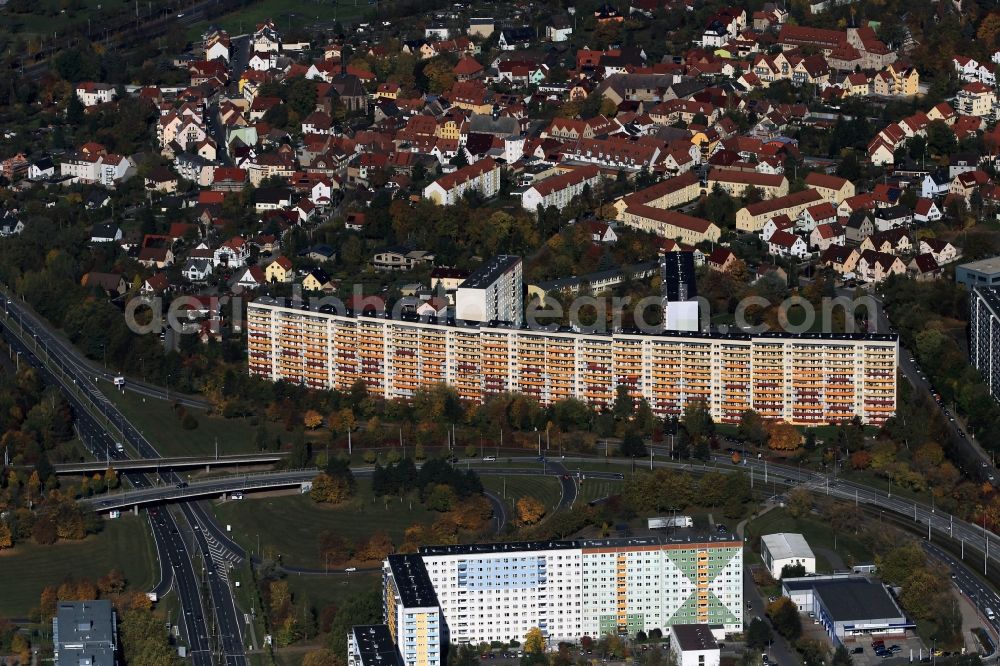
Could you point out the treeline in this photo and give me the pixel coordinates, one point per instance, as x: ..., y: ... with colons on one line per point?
x: 667, y: 489
x: 403, y: 477
x: 52, y: 517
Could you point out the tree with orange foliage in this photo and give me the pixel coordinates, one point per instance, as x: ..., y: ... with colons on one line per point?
x: 783, y: 436
x: 529, y: 510
x: 312, y: 419
x: 861, y: 460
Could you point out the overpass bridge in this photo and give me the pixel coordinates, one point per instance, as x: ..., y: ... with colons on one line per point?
x: 164, y: 464
x: 279, y: 479
x: 199, y: 489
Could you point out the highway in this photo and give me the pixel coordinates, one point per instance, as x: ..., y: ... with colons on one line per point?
x: 97, y: 435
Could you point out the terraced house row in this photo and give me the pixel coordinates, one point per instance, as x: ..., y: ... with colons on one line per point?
x: 804, y: 379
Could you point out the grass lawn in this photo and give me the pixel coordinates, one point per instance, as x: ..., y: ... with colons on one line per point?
x: 124, y: 543
x: 545, y: 489
x: 291, y: 524
x: 157, y: 421
x: 36, y: 23
x: 323, y: 590
x: 284, y: 13
x: 816, y: 532
x: 592, y: 489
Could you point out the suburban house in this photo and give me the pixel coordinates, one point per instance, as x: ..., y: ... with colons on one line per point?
x: 785, y: 244
x: 943, y: 251
x: 825, y: 235
x: 874, y: 267
x: 279, y: 270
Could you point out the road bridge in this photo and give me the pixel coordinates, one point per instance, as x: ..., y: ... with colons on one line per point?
x: 164, y: 464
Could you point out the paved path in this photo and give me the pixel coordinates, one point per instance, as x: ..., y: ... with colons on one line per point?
x: 833, y: 558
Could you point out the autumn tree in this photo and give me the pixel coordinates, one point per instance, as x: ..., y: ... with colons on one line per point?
x: 440, y: 75
x: 6, y: 538
x: 534, y: 641
x: 377, y: 548
x: 529, y: 510
x: 328, y: 489
x: 320, y: 657
x: 312, y: 419
x: 783, y: 436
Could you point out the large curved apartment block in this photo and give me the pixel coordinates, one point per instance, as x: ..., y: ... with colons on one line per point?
x: 805, y: 379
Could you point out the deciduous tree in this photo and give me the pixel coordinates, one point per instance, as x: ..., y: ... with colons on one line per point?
x: 529, y: 510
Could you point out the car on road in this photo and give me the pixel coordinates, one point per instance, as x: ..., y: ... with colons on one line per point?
x: 489, y: 458
x: 350, y: 569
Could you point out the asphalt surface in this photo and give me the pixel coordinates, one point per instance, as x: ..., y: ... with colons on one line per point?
x: 174, y: 489
x: 970, y: 585
x: 157, y: 464
x: 83, y: 368
x: 98, y: 435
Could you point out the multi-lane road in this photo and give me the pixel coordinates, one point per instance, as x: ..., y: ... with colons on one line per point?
x: 100, y: 425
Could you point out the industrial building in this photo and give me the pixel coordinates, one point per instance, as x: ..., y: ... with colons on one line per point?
x: 84, y: 633
x: 848, y: 606
x: 786, y: 549
x: 809, y: 379
x: 981, y: 273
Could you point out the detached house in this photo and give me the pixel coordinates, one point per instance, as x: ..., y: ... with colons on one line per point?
x: 279, y: 270
x: 893, y: 241
x: 840, y: 258
x: 785, y: 244
x: 943, y: 251
x: 92, y: 94
x: 825, y: 235
x: 833, y: 188
x: 233, y: 253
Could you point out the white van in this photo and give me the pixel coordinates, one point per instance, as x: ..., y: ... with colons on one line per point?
x: 990, y: 614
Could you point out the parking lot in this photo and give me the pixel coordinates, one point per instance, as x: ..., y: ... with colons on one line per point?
x: 868, y: 657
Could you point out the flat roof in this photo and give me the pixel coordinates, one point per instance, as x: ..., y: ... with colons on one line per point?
x: 330, y: 306
x: 491, y: 271
x: 990, y: 297
x: 850, y: 598
x: 412, y: 582
x: 84, y: 630
x: 375, y: 645
x: 990, y: 265
x: 785, y: 545
x: 694, y: 637
x: 569, y: 544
